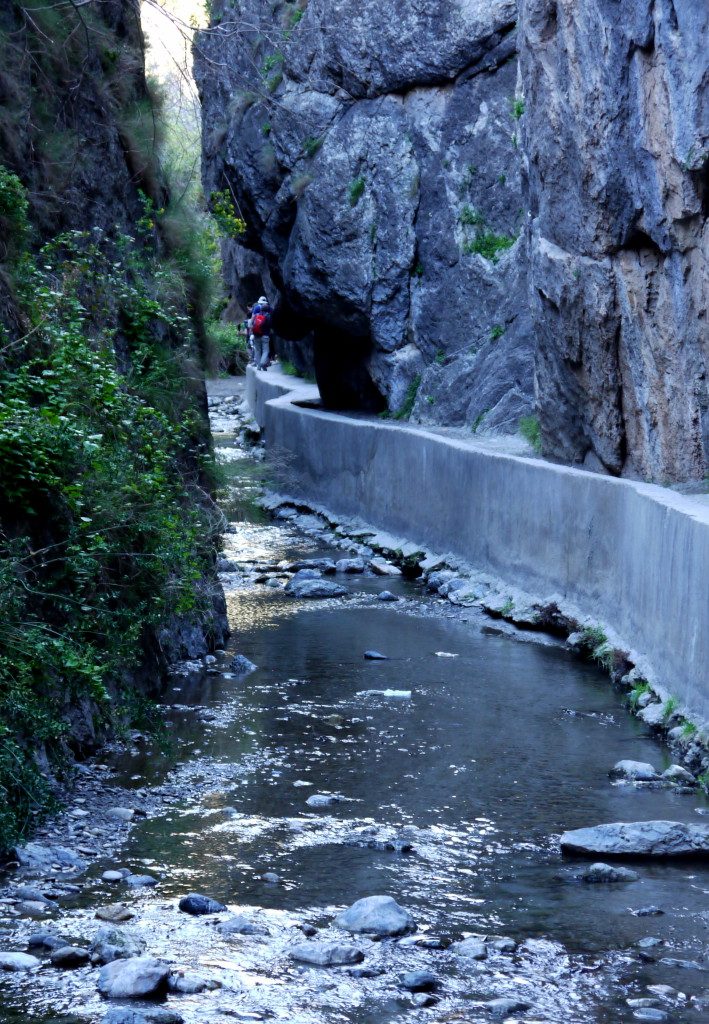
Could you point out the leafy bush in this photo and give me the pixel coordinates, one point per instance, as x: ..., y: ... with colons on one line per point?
x: 530, y: 429
x: 230, y: 224
x: 13, y: 214
x: 93, y: 443
x: 489, y: 245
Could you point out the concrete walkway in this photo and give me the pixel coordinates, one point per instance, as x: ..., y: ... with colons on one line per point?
x: 629, y: 556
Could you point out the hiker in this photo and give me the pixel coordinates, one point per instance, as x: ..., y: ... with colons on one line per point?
x: 248, y: 324
x: 261, y: 333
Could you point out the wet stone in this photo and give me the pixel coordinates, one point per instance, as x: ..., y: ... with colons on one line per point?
x: 326, y: 954
x: 140, y: 977
x: 350, y: 565
x: 239, y: 925
x: 649, y: 911
x: 115, y: 913
x: 420, y: 981
x: 111, y: 944
x: 45, y: 940
x: 684, y: 965
x: 324, y: 800
x: 187, y: 983
x: 641, y: 838
x: 379, y: 915
x: 197, y: 905
x: 70, y: 956
x: 634, y: 771
x: 312, y: 589
x: 154, y: 1015
x: 650, y: 1014
x: 32, y: 895
x: 18, y: 962
x: 386, y: 595
x: 375, y: 656
x: 112, y: 876
x: 472, y: 949
x: 506, y: 1005
x: 599, y: 872
x: 423, y: 999
x: 241, y: 665
x: 141, y: 881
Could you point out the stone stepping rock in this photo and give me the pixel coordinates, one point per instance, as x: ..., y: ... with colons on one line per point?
x: 198, y: 905
x: 377, y: 915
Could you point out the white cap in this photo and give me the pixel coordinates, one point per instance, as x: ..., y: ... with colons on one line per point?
x: 263, y: 301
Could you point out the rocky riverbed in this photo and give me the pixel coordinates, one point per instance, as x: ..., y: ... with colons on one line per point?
x: 355, y: 813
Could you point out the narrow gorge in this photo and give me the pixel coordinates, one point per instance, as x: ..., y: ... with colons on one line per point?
x: 354, y: 656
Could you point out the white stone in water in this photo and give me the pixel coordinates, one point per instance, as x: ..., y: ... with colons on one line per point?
x: 18, y: 962
x: 380, y: 915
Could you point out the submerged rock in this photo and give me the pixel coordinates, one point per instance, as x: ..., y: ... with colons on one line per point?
x: 197, y: 905
x: 375, y: 656
x: 326, y: 954
x: 153, y: 1015
x: 679, y: 775
x: 600, y: 872
x: 314, y: 588
x: 140, y: 881
x: 45, y: 940
x: 640, y: 839
x: 634, y: 771
x: 141, y: 977
x: 379, y: 915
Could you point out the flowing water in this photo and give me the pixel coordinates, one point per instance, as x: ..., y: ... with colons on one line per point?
x: 476, y: 748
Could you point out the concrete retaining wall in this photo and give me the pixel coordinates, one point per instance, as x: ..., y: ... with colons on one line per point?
x: 632, y: 556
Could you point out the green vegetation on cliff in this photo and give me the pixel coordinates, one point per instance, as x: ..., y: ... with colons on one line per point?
x: 106, y: 288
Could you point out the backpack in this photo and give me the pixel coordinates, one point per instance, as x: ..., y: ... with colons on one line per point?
x: 262, y: 324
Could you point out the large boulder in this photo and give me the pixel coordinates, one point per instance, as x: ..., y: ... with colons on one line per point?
x: 18, y: 962
x: 376, y: 915
x: 639, y: 839
x: 633, y: 771
x: 380, y: 175
x: 141, y: 977
x: 111, y: 944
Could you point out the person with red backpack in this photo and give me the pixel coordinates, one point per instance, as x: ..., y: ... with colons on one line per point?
x: 261, y: 333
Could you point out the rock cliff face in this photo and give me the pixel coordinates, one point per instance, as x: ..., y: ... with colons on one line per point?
x: 373, y: 153
x: 467, y: 234
x: 615, y: 134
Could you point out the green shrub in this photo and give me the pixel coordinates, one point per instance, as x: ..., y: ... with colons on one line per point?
x: 496, y: 332
x: 14, y: 226
x: 669, y: 708
x: 489, y: 245
x: 230, y: 224
x: 530, y: 429
x: 470, y: 217
x: 517, y: 108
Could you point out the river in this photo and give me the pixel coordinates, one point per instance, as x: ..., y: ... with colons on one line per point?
x: 468, y: 751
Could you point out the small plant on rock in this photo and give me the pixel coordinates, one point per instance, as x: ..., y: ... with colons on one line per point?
x: 230, y: 224
x: 407, y: 406
x: 356, y: 190
x: 669, y: 708
x: 638, y: 691
x: 496, y: 332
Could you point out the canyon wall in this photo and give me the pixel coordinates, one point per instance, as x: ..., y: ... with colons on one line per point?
x: 470, y: 213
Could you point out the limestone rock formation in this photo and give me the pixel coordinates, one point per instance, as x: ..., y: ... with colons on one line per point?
x: 615, y: 135
x: 373, y: 153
